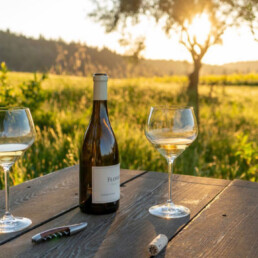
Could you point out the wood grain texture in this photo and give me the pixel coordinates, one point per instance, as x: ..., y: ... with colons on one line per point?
x: 124, y: 234
x: 201, y: 180
x: 243, y: 183
x: 226, y: 228
x: 45, y: 197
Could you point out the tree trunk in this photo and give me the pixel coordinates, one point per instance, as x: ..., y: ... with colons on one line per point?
x: 192, y: 90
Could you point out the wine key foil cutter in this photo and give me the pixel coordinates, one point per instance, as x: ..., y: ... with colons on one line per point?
x: 59, y: 232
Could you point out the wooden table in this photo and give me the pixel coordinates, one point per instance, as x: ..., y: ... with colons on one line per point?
x: 223, y: 221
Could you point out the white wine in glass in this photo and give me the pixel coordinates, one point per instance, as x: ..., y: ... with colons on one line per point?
x: 171, y: 130
x: 17, y: 134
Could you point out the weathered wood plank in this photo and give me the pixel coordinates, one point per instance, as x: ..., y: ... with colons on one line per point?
x: 198, y: 180
x: 124, y: 234
x: 201, y: 180
x: 243, y: 183
x: 226, y: 228
x: 43, y: 198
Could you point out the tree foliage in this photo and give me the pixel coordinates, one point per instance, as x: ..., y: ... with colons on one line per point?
x: 7, y: 94
x: 178, y: 15
x: 28, y: 94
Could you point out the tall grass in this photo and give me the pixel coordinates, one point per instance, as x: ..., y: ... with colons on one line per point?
x: 226, y: 145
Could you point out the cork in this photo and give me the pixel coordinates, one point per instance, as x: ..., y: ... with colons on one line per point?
x: 157, y: 244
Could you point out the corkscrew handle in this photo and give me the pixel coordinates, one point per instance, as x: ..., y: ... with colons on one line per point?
x: 59, y: 232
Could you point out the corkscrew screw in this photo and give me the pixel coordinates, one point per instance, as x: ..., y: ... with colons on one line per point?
x: 59, y: 232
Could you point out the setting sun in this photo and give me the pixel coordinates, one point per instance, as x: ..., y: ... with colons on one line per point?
x: 199, y: 28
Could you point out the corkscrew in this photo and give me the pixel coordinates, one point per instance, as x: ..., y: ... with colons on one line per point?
x: 59, y: 232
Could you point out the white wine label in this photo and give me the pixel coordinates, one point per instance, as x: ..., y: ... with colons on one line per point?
x: 105, y: 184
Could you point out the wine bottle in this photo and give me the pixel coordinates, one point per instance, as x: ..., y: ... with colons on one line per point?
x: 99, y: 158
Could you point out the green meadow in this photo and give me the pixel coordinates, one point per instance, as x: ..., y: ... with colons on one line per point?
x: 226, y: 146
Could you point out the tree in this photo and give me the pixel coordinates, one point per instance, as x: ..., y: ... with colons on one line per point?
x: 179, y: 15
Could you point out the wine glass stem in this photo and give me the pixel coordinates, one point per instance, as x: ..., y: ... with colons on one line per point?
x: 6, y: 173
x: 170, y: 173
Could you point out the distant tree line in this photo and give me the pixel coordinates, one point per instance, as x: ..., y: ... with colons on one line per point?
x: 27, y: 54
x: 21, y: 53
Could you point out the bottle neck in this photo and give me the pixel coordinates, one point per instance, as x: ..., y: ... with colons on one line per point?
x: 100, y: 99
x: 99, y: 111
x: 100, y: 91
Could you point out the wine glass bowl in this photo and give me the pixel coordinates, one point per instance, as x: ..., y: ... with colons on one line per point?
x: 17, y: 134
x: 171, y: 130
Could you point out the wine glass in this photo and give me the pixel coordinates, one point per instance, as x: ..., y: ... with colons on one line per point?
x: 171, y: 130
x: 17, y: 134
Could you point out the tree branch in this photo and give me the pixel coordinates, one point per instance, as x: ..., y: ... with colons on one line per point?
x: 191, y: 45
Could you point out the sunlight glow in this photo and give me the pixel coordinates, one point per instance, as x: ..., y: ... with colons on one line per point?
x: 199, y: 28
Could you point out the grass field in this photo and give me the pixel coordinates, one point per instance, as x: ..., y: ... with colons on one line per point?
x: 226, y: 145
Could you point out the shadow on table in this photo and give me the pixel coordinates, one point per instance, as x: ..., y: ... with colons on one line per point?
x: 83, y: 244
x: 99, y: 226
x: 144, y: 227
x: 134, y: 228
x: 168, y: 228
x: 126, y: 233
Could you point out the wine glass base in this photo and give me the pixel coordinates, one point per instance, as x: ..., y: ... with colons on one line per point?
x: 13, y: 224
x: 169, y: 211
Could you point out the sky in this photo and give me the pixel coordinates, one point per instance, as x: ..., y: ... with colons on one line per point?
x: 68, y: 20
